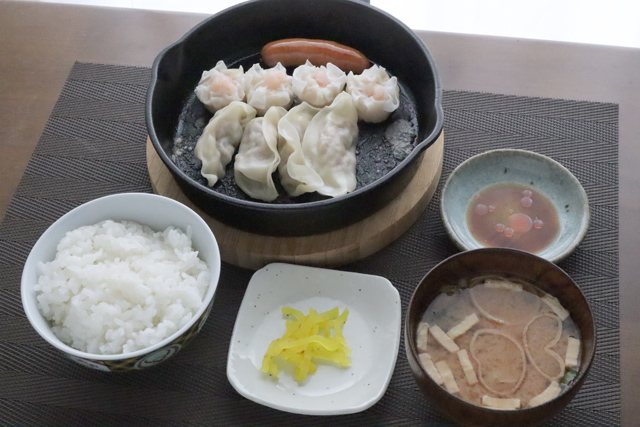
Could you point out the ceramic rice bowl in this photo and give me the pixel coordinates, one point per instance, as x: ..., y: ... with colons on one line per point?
x: 158, y: 213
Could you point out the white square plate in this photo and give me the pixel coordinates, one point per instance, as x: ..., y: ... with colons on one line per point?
x: 372, y: 332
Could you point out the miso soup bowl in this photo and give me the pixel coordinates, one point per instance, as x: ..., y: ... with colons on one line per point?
x: 237, y: 35
x: 507, y: 263
x: 158, y: 213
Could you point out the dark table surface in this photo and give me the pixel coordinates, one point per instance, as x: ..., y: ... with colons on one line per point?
x: 40, y: 42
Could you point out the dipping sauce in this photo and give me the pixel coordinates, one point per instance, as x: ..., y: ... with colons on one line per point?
x: 514, y: 216
x: 499, y: 343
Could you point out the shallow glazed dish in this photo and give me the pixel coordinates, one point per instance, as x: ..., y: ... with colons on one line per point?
x: 372, y: 332
x: 539, y: 172
x: 154, y: 211
x: 236, y: 36
x: 506, y: 263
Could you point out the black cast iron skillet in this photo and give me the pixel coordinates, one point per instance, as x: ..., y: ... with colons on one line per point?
x: 236, y: 36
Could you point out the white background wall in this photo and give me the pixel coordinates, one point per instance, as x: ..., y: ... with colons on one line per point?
x: 609, y: 22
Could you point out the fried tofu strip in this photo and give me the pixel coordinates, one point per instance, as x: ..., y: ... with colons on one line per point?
x: 573, y: 349
x: 467, y: 367
x: 499, y: 403
x: 549, y: 393
x: 463, y: 326
x: 502, y: 284
x: 555, y: 306
x: 447, y: 376
x: 422, y: 336
x: 443, y: 339
x: 431, y: 369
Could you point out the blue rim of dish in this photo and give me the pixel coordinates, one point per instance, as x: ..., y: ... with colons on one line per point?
x: 418, y: 149
x: 586, y: 218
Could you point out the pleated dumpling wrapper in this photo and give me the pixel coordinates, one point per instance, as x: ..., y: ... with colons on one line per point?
x: 296, y: 174
x: 330, y: 146
x: 258, y: 156
x: 220, y: 86
x: 220, y: 139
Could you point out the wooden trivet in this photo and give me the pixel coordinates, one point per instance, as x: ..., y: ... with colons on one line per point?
x: 357, y: 241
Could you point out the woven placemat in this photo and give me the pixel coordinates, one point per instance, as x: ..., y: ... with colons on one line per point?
x: 94, y: 145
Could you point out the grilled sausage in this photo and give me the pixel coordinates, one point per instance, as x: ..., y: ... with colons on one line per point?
x: 293, y: 52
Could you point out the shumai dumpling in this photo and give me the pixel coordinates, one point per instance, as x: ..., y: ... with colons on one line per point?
x: 318, y: 86
x: 375, y: 94
x: 220, y: 86
x: 268, y: 88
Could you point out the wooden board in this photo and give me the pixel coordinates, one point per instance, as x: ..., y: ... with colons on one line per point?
x: 359, y: 240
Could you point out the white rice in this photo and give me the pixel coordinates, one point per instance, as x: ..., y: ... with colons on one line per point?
x: 118, y: 287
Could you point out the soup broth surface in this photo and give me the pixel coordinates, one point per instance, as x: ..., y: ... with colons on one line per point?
x: 514, y: 216
x: 517, y: 347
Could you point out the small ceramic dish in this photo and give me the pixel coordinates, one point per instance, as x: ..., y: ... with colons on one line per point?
x: 372, y: 332
x: 535, y: 171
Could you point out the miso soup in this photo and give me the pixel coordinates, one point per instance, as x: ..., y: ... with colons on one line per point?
x: 499, y: 343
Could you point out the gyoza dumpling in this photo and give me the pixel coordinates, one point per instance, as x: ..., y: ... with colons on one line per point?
x: 268, y: 88
x: 258, y: 156
x: 220, y: 86
x: 375, y: 94
x: 296, y: 174
x: 329, y: 144
x: 220, y: 138
x: 318, y: 86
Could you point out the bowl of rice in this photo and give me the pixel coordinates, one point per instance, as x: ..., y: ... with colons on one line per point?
x: 122, y: 282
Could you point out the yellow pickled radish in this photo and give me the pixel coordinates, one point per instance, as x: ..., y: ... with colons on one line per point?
x: 308, y: 338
